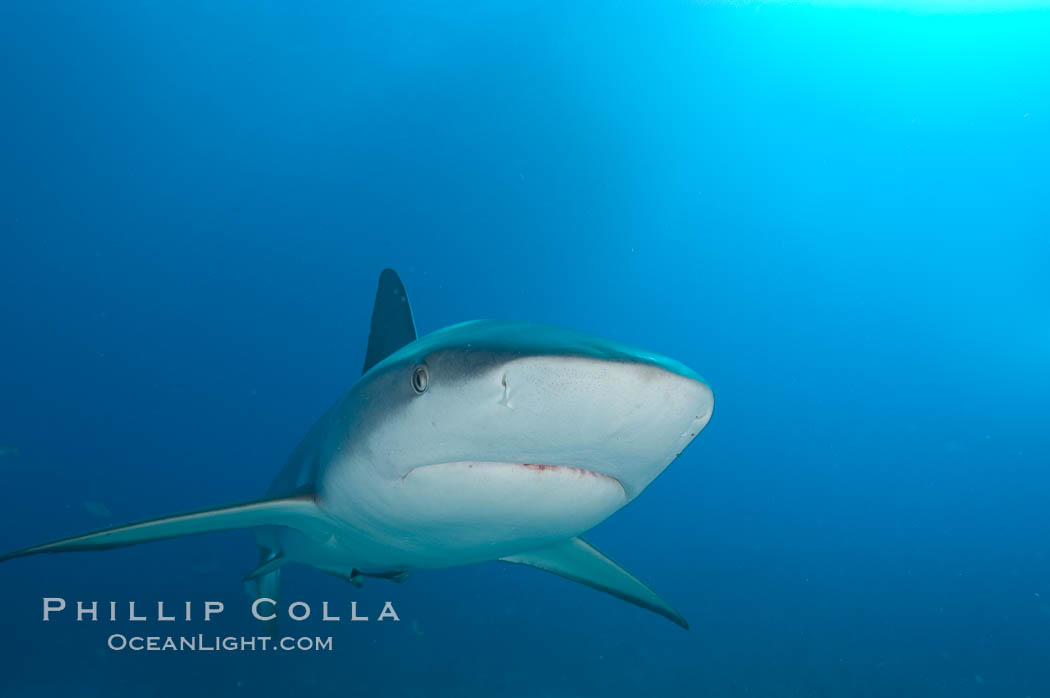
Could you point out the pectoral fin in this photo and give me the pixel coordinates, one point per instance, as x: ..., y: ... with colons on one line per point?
x: 265, y: 582
x: 295, y: 511
x: 268, y: 562
x: 578, y: 560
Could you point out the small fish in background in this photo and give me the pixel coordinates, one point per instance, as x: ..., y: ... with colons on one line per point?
x: 1044, y: 606
x: 204, y: 566
x: 8, y: 451
x: 96, y: 509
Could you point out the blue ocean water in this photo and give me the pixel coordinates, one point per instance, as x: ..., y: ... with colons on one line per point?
x: 839, y: 216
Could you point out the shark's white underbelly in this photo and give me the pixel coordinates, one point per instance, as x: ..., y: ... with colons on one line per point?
x: 452, y: 514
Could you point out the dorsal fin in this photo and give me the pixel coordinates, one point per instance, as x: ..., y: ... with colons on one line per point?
x: 392, y: 326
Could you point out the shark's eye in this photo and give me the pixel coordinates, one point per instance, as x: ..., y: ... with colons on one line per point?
x: 420, y: 378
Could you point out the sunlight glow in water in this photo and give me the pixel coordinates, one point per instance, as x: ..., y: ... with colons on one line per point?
x: 935, y: 6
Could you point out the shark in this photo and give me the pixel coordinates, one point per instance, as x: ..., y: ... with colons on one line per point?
x: 482, y: 441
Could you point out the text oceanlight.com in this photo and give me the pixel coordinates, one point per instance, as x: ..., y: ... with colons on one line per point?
x: 202, y: 643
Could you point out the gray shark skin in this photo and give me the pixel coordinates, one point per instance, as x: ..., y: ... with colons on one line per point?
x: 486, y: 440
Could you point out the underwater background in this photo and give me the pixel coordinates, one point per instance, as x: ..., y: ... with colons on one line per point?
x: 840, y: 216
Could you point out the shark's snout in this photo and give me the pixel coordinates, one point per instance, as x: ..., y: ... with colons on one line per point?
x: 623, y: 419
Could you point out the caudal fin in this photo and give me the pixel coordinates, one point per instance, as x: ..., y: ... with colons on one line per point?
x: 295, y: 511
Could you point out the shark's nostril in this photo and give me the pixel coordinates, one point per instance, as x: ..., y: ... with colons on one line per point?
x: 505, y: 400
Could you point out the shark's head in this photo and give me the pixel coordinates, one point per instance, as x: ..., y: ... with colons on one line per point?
x: 512, y: 410
x: 508, y: 392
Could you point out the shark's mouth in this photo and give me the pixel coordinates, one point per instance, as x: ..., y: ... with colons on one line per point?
x: 480, y: 510
x: 568, y: 469
x: 568, y: 473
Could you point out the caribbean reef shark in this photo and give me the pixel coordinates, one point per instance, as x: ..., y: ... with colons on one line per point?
x: 486, y: 440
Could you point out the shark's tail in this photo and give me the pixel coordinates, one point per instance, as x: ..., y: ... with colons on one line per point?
x: 294, y: 511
